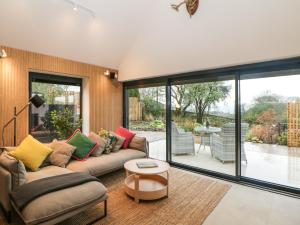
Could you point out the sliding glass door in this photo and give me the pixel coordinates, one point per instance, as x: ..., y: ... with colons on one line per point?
x: 147, y: 117
x: 203, y: 124
x: 271, y: 109
x: 240, y: 123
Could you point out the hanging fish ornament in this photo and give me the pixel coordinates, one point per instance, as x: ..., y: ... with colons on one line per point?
x: 191, y: 6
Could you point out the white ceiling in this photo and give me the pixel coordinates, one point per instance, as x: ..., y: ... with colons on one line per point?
x: 146, y: 38
x: 52, y: 27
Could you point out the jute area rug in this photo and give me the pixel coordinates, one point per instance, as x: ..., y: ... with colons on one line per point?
x: 191, y: 199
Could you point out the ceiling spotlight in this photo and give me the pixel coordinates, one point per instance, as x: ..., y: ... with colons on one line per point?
x: 75, y: 8
x: 80, y: 8
x: 3, y: 54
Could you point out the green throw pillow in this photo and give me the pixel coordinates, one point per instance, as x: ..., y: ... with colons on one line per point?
x: 84, y: 146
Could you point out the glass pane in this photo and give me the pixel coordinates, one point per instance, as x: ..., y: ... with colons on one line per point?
x: 59, y: 116
x: 147, y: 117
x: 271, y: 107
x: 203, y: 125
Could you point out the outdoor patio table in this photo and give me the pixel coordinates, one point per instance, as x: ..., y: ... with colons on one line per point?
x: 206, y: 132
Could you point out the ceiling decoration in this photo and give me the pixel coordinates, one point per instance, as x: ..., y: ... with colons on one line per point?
x: 191, y: 6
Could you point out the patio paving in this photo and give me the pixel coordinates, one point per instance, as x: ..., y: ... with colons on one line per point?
x: 272, y: 163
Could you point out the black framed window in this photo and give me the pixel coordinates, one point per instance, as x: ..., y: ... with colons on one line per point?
x: 61, y: 113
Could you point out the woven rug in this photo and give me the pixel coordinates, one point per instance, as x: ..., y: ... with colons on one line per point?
x: 191, y: 199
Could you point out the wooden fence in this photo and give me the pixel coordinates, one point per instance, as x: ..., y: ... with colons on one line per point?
x: 294, y: 124
x: 135, y: 109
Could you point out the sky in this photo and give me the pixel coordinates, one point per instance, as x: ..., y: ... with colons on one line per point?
x: 286, y: 86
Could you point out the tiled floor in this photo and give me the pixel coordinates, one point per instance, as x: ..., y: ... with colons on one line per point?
x: 272, y: 163
x: 249, y: 206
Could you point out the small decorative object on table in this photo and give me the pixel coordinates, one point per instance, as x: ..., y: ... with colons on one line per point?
x: 207, y: 124
x: 146, y: 164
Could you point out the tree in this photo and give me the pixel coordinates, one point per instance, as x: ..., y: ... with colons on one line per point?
x: 64, y: 122
x: 181, y: 98
x: 204, y: 95
x: 48, y: 91
x: 134, y: 93
x: 264, y: 103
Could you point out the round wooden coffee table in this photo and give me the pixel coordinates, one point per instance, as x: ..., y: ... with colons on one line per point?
x: 147, y: 183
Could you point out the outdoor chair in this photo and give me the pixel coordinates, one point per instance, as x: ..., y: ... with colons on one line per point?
x: 223, y: 144
x: 182, y: 142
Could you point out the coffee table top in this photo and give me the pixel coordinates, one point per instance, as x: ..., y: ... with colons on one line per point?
x: 133, y: 168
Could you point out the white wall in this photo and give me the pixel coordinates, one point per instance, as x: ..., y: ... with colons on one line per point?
x: 222, y: 33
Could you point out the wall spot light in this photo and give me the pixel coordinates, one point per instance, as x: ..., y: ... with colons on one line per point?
x: 112, y: 75
x: 3, y: 53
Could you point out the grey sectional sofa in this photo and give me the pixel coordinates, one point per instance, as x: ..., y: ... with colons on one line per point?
x: 60, y: 205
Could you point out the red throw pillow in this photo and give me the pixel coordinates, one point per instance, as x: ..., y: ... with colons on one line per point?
x: 123, y: 132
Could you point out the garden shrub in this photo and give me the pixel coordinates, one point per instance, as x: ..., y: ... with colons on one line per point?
x: 282, y: 139
x: 265, y: 133
x: 152, y: 107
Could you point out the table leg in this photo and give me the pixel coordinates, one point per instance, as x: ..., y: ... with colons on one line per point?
x: 126, y: 173
x: 167, y: 184
x: 136, y: 188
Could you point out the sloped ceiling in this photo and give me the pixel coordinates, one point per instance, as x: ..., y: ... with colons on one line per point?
x: 52, y: 27
x: 146, y: 38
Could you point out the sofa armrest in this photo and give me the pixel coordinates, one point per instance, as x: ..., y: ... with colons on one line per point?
x: 5, y: 187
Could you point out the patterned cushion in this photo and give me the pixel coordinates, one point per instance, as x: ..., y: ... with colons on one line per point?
x: 119, y: 143
x: 111, y: 140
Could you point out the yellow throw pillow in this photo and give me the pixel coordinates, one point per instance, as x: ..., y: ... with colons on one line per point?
x: 31, y: 152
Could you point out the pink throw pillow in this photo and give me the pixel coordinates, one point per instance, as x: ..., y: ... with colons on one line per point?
x: 123, y: 132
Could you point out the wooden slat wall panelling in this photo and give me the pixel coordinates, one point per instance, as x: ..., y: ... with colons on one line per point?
x: 105, y: 96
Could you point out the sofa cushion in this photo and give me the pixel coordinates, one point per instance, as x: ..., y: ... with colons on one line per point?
x: 119, y: 143
x: 100, y: 141
x: 15, y: 167
x: 128, y: 135
x: 97, y: 166
x: 62, y: 202
x: 138, y: 143
x: 31, y: 152
x: 84, y: 146
x: 61, y: 154
x: 48, y: 171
